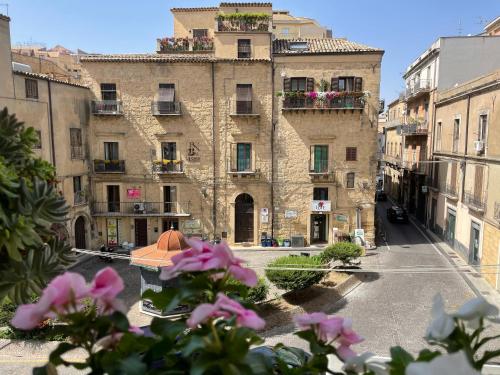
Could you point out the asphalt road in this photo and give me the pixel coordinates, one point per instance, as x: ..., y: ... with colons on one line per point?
x: 394, y: 309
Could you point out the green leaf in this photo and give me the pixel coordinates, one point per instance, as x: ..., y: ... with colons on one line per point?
x: 427, y: 355
x: 194, y: 342
x: 400, y: 358
x: 133, y: 366
x: 55, y: 357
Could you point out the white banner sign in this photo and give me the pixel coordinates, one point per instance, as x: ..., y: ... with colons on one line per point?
x: 321, y: 206
x: 291, y: 214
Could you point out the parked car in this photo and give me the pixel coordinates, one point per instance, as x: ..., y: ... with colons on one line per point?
x: 397, y: 214
x: 380, y: 195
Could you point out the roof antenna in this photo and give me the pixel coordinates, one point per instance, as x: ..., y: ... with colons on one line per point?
x: 460, y: 27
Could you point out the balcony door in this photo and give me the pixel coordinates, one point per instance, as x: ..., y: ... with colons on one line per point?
x: 243, y: 218
x: 244, y: 99
x: 111, y: 151
x: 80, y: 240
x: 108, y: 91
x: 141, y: 232
x: 113, y: 195
x: 166, y: 98
x: 243, y: 157
x: 319, y: 159
x: 169, y: 151
x: 169, y: 199
x: 475, y: 231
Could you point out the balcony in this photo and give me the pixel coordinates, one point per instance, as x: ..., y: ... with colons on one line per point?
x: 391, y: 159
x: 474, y: 201
x: 243, y: 22
x: 107, y: 107
x: 162, y: 108
x: 418, y: 87
x: 319, y: 171
x: 451, y: 191
x: 79, y: 198
x: 76, y: 152
x: 414, y: 166
x: 170, y: 167
x: 302, y: 103
x: 244, y: 108
x: 176, y: 45
x: 109, y: 166
x: 141, y: 209
x: 415, y: 127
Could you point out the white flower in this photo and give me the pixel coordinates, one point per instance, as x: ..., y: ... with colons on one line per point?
x: 365, y: 361
x: 442, y: 324
x: 456, y: 364
x: 476, y: 308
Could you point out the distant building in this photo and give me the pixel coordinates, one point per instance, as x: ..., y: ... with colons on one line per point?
x: 493, y: 28
x: 286, y: 26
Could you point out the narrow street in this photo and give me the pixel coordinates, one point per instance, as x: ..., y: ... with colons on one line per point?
x: 394, y: 309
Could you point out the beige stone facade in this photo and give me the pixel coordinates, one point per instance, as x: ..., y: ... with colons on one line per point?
x: 287, y: 26
x: 59, y: 112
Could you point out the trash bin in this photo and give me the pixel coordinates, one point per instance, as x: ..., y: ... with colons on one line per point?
x: 263, y: 242
x: 286, y: 243
x: 269, y: 242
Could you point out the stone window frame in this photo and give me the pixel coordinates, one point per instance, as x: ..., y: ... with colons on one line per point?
x: 482, y: 137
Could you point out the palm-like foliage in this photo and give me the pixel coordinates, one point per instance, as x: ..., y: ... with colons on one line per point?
x: 30, y: 254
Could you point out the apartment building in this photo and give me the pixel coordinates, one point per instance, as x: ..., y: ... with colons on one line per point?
x: 287, y: 26
x: 465, y: 206
x: 227, y: 133
x: 59, y: 111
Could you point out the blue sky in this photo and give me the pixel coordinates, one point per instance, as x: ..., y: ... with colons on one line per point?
x: 401, y: 28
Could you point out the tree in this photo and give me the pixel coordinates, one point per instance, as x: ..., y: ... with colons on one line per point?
x: 30, y: 253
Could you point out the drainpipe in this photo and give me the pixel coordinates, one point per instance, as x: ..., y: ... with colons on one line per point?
x: 214, y: 203
x: 465, y: 148
x: 272, y: 147
x: 51, y: 126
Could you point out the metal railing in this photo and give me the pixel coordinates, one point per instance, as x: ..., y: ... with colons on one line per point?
x: 474, y: 200
x: 318, y: 167
x: 141, y: 208
x: 113, y: 166
x: 450, y: 190
x: 396, y: 160
x: 168, y: 166
x: 419, y: 86
x: 414, y: 128
x: 169, y: 45
x: 107, y: 107
x: 79, y: 198
x: 163, y: 108
x: 343, y: 102
x: 243, y: 25
x: 76, y: 152
x: 244, y: 108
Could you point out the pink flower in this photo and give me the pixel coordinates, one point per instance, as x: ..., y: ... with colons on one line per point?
x: 326, y: 328
x: 107, y: 284
x: 347, y: 335
x: 345, y: 352
x: 225, y: 307
x: 205, y: 257
x: 27, y: 317
x: 136, y: 330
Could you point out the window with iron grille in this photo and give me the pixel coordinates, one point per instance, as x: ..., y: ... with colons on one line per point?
x: 244, y: 49
x: 351, y: 154
x: 38, y: 144
x: 75, y: 137
x: 243, y: 98
x: 350, y: 180
x: 108, y: 91
x: 31, y: 88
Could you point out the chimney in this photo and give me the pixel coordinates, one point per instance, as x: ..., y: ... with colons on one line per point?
x: 6, y: 83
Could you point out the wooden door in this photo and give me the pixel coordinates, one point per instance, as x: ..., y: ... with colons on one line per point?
x: 243, y: 228
x: 80, y: 240
x: 141, y: 232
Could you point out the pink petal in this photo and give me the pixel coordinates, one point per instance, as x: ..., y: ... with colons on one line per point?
x: 68, y: 286
x: 251, y: 320
x: 200, y: 314
x: 27, y: 317
x: 305, y: 321
x: 245, y: 275
x: 136, y: 330
x: 345, y: 352
x: 106, y: 284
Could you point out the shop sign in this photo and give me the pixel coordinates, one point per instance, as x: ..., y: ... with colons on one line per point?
x: 193, y: 152
x: 291, y: 214
x: 321, y: 206
x: 340, y: 217
x: 112, y: 229
x: 133, y: 193
x: 359, y: 233
x: 264, y: 215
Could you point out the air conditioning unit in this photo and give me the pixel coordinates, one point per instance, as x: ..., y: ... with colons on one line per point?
x: 297, y: 241
x: 139, y: 208
x: 479, y: 146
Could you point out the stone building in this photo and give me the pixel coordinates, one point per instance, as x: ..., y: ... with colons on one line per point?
x: 59, y: 112
x: 466, y: 205
x: 196, y: 137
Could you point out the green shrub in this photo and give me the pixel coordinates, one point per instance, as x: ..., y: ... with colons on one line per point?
x: 346, y: 252
x: 295, y: 279
x: 258, y: 293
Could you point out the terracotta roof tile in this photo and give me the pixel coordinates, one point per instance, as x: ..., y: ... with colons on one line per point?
x: 321, y: 46
x: 246, y: 4
x: 47, y: 78
x: 199, y: 9
x: 162, y: 57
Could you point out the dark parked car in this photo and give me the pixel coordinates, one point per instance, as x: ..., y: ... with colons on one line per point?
x: 397, y: 214
x: 380, y: 195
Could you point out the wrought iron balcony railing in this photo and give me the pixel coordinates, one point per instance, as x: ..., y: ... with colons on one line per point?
x: 173, y: 45
x: 419, y: 86
x: 168, y: 166
x: 141, y: 208
x: 109, y: 166
x: 318, y: 167
x: 243, y: 25
x: 451, y: 190
x: 474, y: 200
x: 415, y: 128
x: 341, y: 102
x: 107, y: 107
x: 80, y: 198
x: 76, y: 152
x: 246, y: 108
x: 163, y: 108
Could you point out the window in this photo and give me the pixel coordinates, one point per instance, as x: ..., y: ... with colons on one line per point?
x: 350, y: 180
x: 169, y: 151
x: 169, y: 199
x: 320, y: 194
x: 75, y: 138
x: 244, y: 49
x: 77, y: 184
x: 298, y: 84
x: 346, y: 84
x: 244, y: 98
x: 113, y: 195
x: 483, y: 128
x: 478, y: 183
x: 38, y: 144
x: 244, y: 157
x: 200, y: 33
x: 298, y: 46
x: 166, y: 98
x: 456, y: 134
x: 319, y: 159
x: 31, y: 88
x: 108, y: 91
x: 111, y: 151
x: 351, y: 154
x: 438, y: 135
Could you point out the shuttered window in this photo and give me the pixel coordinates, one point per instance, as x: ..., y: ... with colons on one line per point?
x: 478, y: 182
x: 298, y: 84
x: 319, y: 159
x: 166, y: 92
x: 483, y: 128
x: 351, y: 154
x: 453, y: 177
x: 244, y: 98
x: 31, y: 86
x: 244, y: 49
x: 456, y: 134
x: 348, y: 84
x: 244, y: 157
x: 287, y: 84
x: 310, y: 84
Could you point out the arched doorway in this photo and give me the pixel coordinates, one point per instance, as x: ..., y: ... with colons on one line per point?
x: 243, y: 218
x: 80, y: 242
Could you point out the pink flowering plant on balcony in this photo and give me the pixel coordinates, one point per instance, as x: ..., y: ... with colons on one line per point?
x: 220, y: 334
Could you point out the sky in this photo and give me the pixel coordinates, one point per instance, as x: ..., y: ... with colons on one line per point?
x: 403, y: 29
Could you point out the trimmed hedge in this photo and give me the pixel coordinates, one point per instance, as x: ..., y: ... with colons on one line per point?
x: 346, y: 252
x: 255, y: 294
x: 295, y: 279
